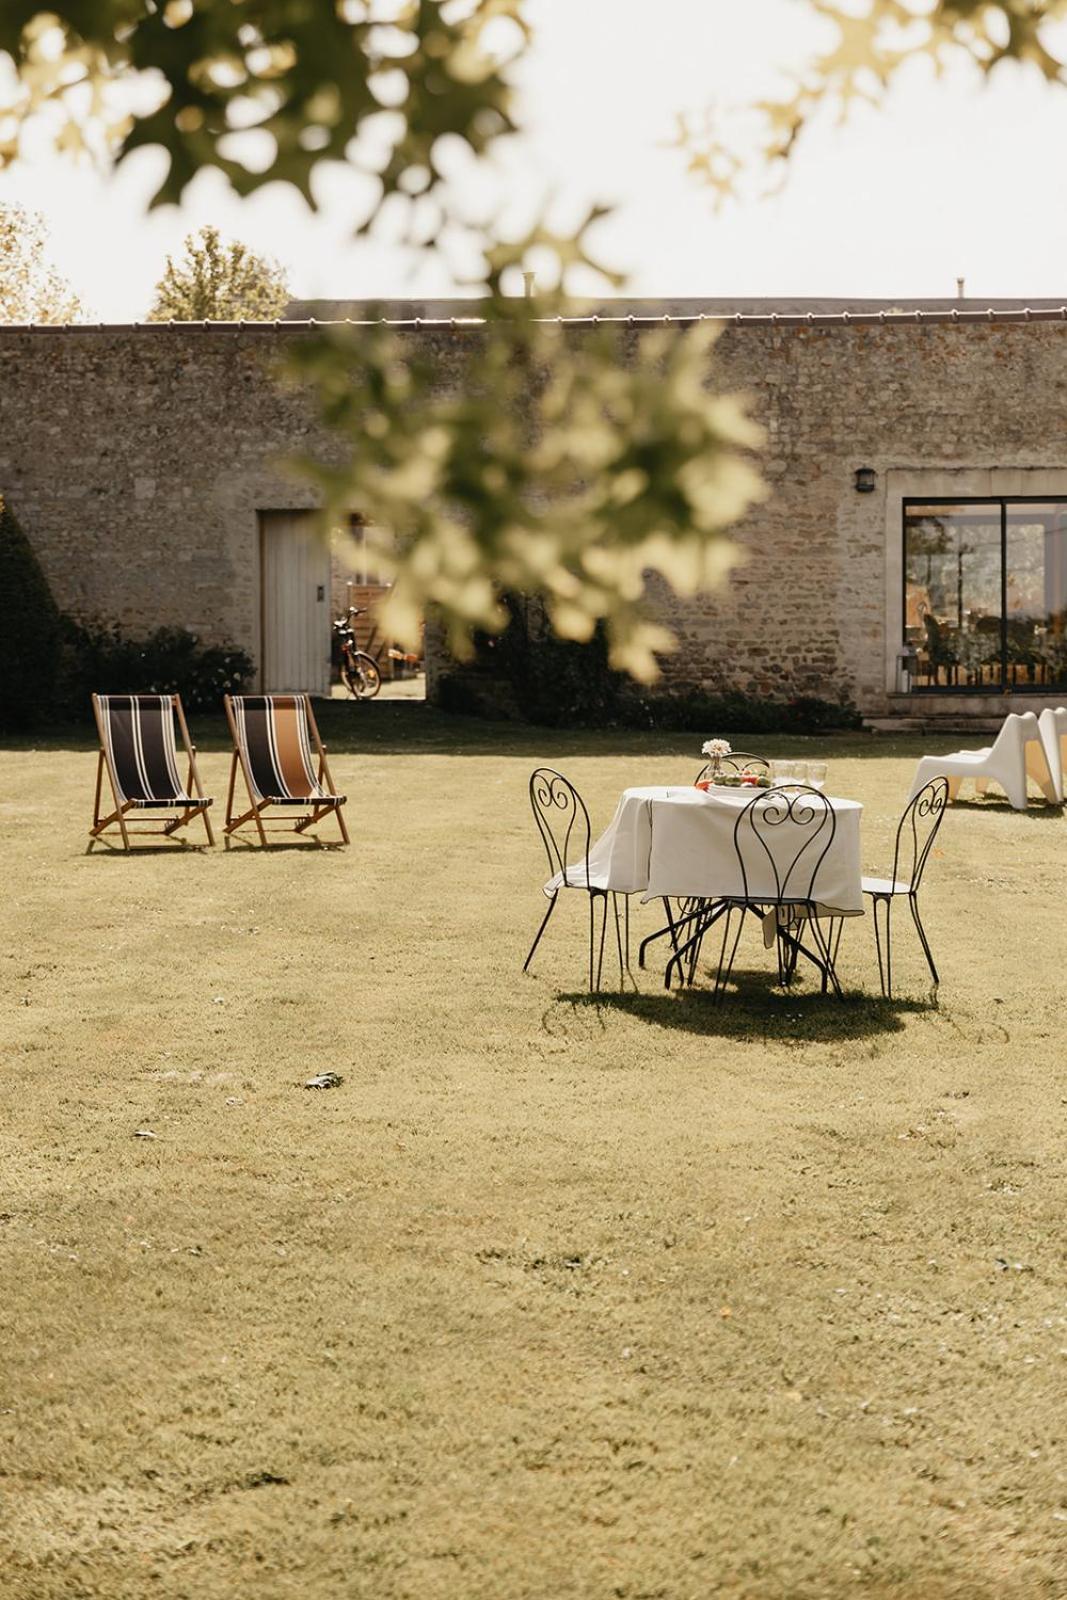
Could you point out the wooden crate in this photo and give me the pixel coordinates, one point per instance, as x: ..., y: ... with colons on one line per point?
x: 369, y: 635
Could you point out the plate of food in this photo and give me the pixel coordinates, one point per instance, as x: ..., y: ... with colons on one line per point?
x: 735, y: 780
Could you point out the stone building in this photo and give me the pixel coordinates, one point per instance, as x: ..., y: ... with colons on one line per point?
x: 912, y: 556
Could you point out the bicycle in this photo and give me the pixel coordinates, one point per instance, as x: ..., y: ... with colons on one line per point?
x: 359, y: 671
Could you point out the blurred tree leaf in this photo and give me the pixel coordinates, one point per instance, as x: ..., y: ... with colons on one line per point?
x: 542, y: 459
x: 307, y: 74
x: 868, y: 48
x: 533, y: 457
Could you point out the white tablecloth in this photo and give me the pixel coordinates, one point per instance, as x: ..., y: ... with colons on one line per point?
x: 679, y: 842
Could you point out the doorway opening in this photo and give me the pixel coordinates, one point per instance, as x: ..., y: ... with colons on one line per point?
x: 307, y: 583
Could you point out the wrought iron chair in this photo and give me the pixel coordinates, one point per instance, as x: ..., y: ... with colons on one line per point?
x: 916, y: 833
x: 737, y: 762
x: 689, y: 910
x: 941, y: 648
x: 793, y: 870
x: 563, y: 823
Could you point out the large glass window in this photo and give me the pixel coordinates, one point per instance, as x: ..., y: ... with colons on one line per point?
x: 985, y: 594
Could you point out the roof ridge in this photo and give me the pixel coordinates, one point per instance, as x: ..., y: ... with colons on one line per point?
x: 778, y: 319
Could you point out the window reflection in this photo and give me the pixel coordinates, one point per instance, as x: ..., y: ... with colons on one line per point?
x: 1036, y: 609
x: 985, y: 595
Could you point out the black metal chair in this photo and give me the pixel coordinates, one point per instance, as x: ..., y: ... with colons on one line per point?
x: 793, y: 870
x: 916, y: 832
x: 688, y: 910
x: 941, y: 649
x: 737, y: 762
x: 563, y: 823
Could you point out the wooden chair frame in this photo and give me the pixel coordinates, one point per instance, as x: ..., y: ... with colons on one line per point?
x: 257, y: 808
x: 125, y: 810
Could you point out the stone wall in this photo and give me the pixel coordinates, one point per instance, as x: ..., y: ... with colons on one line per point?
x: 138, y: 460
x: 817, y: 606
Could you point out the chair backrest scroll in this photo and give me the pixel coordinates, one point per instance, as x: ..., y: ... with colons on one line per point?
x: 563, y: 823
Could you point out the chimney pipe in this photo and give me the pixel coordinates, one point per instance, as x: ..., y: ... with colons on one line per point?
x: 959, y: 289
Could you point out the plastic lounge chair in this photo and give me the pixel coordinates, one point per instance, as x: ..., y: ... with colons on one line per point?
x: 1053, y: 725
x: 275, y: 740
x: 139, y: 752
x: 1016, y: 754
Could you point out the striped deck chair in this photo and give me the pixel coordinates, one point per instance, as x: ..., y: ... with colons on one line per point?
x: 139, y: 752
x: 275, y: 741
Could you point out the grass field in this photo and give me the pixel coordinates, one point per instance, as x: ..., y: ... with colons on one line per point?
x: 635, y: 1298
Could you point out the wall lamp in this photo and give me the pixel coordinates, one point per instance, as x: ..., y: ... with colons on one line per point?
x: 865, y: 480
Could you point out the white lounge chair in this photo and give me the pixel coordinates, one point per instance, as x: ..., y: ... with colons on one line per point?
x: 1017, y: 753
x: 1053, y: 725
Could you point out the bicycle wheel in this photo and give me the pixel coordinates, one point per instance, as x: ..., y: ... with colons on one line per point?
x: 361, y: 675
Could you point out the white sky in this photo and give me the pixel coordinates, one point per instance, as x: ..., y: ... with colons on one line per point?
x: 956, y: 177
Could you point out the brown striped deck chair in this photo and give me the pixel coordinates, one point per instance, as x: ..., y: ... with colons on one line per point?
x: 139, y: 752
x: 275, y: 744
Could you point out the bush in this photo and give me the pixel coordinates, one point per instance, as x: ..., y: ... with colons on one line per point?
x: 555, y: 682
x: 169, y: 661
x: 30, y: 631
x: 735, y: 712
x: 529, y: 673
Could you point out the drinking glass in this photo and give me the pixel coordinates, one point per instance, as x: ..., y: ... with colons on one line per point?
x: 781, y: 772
x: 800, y: 771
x: 817, y: 774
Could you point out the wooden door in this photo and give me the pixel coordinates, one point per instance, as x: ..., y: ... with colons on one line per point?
x: 296, y: 604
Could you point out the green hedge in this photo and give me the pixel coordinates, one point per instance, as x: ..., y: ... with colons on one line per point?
x: 734, y: 712
x: 527, y: 672
x: 31, y: 632
x: 169, y: 661
x: 552, y: 681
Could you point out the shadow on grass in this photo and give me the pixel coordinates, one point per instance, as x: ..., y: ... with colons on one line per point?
x: 1000, y: 805
x: 412, y: 727
x: 309, y: 841
x: 751, y: 1009
x: 110, y: 849
x: 102, y: 850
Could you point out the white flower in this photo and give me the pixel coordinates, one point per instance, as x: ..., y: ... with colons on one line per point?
x: 716, y: 747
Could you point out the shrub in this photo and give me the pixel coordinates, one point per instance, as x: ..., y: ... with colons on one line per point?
x: 735, y: 712
x: 527, y: 672
x: 555, y: 682
x: 30, y: 631
x: 168, y: 661
x: 530, y: 673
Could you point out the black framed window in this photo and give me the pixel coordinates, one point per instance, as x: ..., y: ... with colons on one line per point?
x: 985, y: 594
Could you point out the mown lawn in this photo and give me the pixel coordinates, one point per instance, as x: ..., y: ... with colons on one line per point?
x: 636, y: 1298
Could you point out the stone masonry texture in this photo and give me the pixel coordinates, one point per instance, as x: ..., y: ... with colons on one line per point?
x: 138, y: 461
